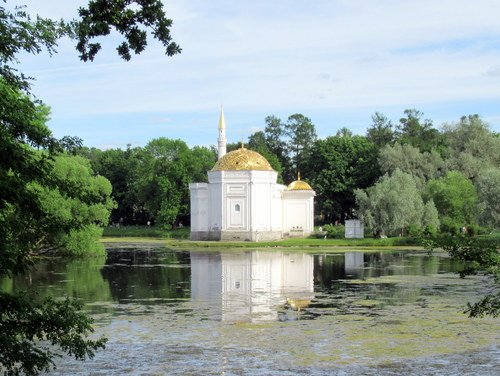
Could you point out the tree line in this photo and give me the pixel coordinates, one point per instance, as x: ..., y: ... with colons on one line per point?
x: 399, y: 178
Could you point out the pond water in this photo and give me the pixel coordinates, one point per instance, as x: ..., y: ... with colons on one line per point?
x: 274, y: 313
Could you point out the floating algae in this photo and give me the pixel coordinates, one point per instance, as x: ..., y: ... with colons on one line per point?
x: 232, y: 313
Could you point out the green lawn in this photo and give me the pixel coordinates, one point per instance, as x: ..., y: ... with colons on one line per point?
x: 180, y: 238
x: 145, y: 232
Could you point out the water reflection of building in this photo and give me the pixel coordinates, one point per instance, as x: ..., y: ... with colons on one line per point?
x: 354, y: 262
x: 250, y: 286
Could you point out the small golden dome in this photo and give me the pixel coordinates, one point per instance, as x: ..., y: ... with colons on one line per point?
x: 242, y: 159
x: 299, y: 185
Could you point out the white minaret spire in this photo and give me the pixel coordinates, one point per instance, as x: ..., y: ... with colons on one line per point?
x: 221, y: 140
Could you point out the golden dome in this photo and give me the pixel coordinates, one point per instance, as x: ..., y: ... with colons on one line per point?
x: 242, y: 159
x: 299, y: 185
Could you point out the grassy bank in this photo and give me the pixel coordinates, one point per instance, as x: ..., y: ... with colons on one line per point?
x: 179, y: 238
x: 317, y: 243
x: 145, y: 232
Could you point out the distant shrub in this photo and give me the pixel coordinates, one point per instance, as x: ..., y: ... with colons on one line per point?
x: 334, y: 232
x: 473, y: 230
x: 450, y: 226
x: 414, y: 231
x: 430, y: 231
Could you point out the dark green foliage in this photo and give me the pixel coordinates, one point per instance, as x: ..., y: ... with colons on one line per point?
x: 19, y: 33
x: 414, y: 231
x: 289, y: 144
x: 151, y: 183
x: 339, y: 165
x: 488, y: 305
x: 275, y: 139
x: 24, y: 322
x: 257, y: 142
x: 450, y: 227
x: 50, y: 200
x: 21, y: 126
x: 130, y: 18
x: 479, y: 256
x: 118, y: 167
x: 473, y: 230
x: 159, y: 184
x: 381, y: 132
x: 301, y: 134
x: 419, y: 232
x: 413, y: 130
x: 71, y: 144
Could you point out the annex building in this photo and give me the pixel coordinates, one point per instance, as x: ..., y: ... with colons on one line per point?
x: 243, y: 201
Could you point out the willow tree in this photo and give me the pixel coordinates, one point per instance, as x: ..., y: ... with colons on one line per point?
x: 393, y: 204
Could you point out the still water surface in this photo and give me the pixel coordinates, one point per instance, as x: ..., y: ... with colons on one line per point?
x: 274, y: 313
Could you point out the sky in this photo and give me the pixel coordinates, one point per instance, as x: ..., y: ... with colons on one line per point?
x: 334, y: 61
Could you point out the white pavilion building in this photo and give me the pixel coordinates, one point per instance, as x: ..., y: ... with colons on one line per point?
x: 243, y: 201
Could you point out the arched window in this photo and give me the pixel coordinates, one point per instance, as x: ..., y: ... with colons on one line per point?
x: 237, y: 208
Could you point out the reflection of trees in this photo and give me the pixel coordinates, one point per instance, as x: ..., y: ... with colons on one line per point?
x: 329, y: 268
x: 153, y: 274
x: 342, y: 277
x: 147, y: 274
x: 78, y: 278
x: 122, y: 274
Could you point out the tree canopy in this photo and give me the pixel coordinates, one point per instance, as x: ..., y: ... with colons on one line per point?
x: 50, y: 200
x: 130, y: 18
x: 472, y: 147
x: 455, y: 198
x: 381, y: 131
x: 393, y: 204
x: 409, y: 159
x: 337, y: 166
x: 488, y: 194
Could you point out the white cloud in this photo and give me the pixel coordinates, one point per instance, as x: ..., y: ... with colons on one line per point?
x: 285, y: 56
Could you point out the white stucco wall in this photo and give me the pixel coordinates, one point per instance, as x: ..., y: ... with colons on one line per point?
x: 199, y: 206
x: 248, y: 205
x: 247, y: 200
x: 216, y: 208
x: 298, y: 211
x: 276, y: 213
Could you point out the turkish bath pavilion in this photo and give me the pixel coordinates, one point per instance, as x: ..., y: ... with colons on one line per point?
x: 243, y: 201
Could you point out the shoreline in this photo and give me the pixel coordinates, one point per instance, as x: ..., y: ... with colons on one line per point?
x: 326, y: 245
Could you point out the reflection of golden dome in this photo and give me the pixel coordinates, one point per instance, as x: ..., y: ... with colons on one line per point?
x: 299, y: 185
x: 242, y: 159
x: 298, y: 304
